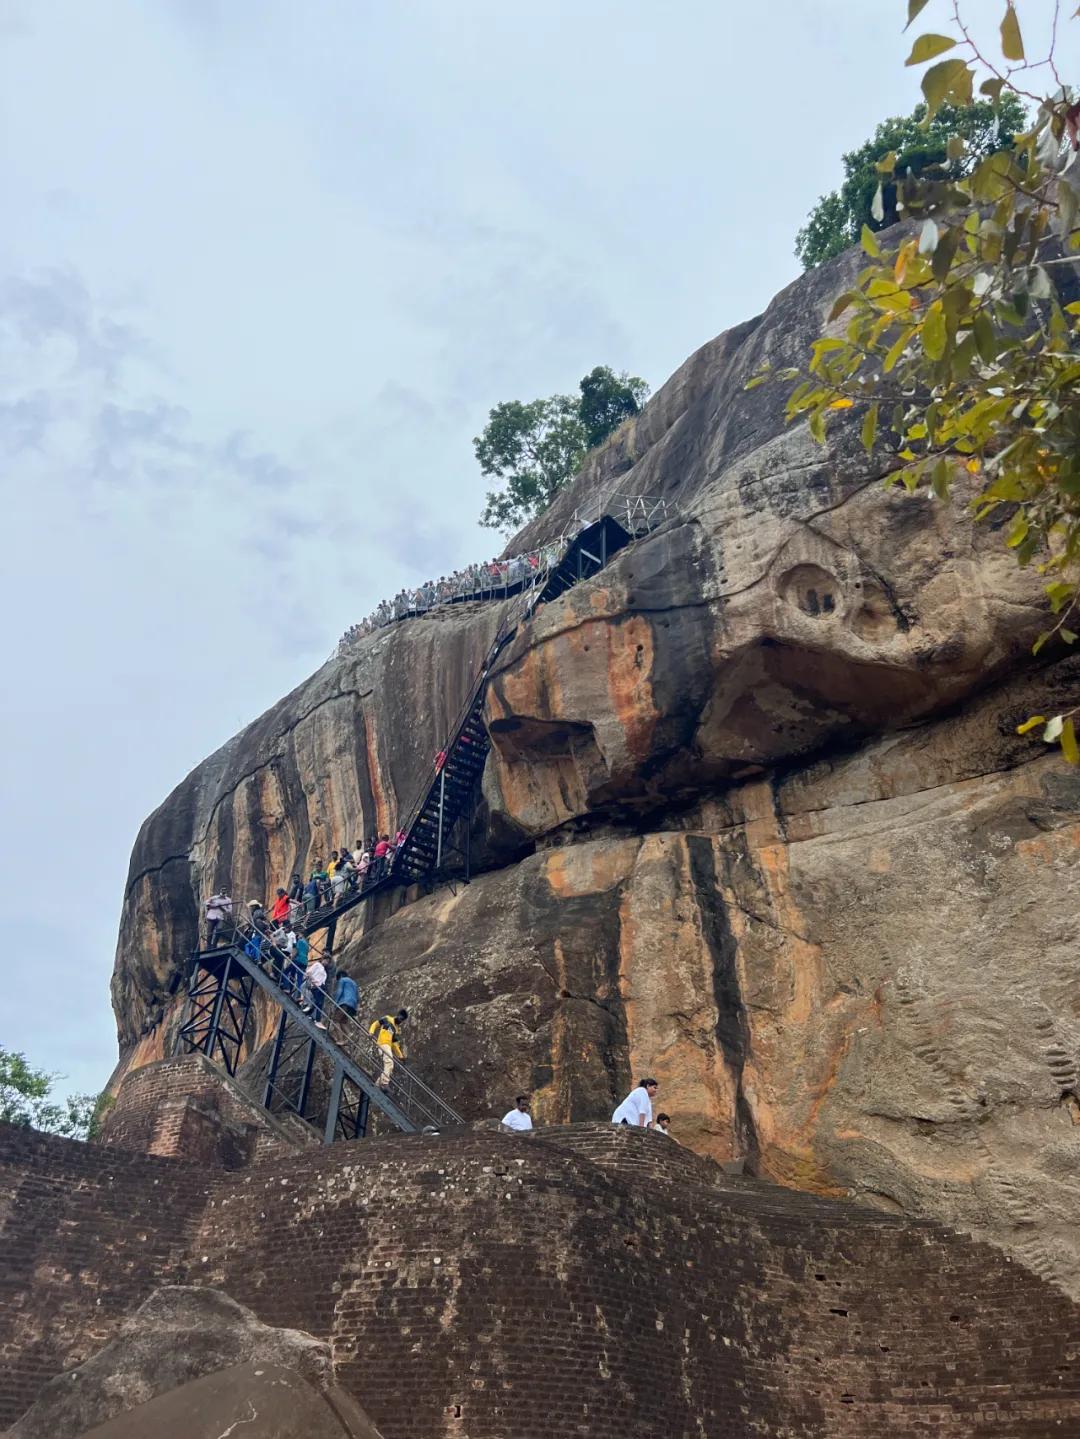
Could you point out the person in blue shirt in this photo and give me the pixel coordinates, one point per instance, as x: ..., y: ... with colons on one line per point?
x: 347, y: 996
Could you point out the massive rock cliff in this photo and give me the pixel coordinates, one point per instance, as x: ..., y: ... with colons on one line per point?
x: 756, y: 819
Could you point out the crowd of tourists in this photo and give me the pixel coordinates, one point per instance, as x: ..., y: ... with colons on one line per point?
x: 346, y: 872
x: 275, y: 939
x: 487, y: 580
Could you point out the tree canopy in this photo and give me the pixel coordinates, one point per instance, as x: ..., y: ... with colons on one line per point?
x: 959, y: 347
x: 26, y: 1098
x: 920, y: 145
x: 534, y: 447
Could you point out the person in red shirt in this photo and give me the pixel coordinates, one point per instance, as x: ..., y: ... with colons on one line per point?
x: 279, y: 910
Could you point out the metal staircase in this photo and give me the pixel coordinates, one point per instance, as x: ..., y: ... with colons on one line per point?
x: 224, y: 980
x: 221, y: 993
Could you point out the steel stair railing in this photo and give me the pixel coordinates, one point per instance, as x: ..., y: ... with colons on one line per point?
x: 407, y: 1101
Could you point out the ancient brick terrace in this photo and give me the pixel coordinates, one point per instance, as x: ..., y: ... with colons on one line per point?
x: 582, y: 1280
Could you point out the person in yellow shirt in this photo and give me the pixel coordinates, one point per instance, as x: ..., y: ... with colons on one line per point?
x: 385, y: 1032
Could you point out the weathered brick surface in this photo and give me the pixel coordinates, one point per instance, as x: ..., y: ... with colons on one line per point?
x: 186, y: 1108
x: 578, y: 1281
x: 85, y: 1234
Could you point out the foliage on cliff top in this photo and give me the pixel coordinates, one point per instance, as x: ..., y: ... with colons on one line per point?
x: 959, y: 343
x: 535, y: 447
x: 920, y: 144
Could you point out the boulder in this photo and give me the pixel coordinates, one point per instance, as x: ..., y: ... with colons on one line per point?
x: 178, y: 1335
x: 756, y: 819
x: 263, y: 1401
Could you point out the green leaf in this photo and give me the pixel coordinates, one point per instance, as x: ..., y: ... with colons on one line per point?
x: 955, y: 146
x: 887, y: 164
x: 1069, y: 746
x: 757, y: 380
x: 985, y: 338
x: 1018, y: 531
x: 914, y: 7
x: 897, y: 349
x: 940, y: 81
x: 1069, y: 636
x: 1012, y: 45
x: 935, y: 336
x: 939, y: 479
x: 1033, y: 723
x: 927, y: 46
x: 841, y: 304
x: 869, y: 428
x: 869, y: 243
x: 993, y: 89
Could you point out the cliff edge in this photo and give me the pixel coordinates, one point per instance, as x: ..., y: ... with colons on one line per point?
x: 756, y: 820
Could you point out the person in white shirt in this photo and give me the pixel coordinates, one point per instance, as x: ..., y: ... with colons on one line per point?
x: 218, y: 909
x: 636, y: 1108
x: 661, y: 1126
x: 314, y: 990
x: 519, y: 1117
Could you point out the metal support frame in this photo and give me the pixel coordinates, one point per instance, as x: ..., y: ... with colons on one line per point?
x: 275, y: 1095
x: 442, y: 807
x: 219, y: 997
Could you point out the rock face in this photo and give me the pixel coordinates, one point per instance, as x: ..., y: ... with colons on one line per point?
x: 756, y: 820
x: 176, y: 1337
x: 267, y: 1402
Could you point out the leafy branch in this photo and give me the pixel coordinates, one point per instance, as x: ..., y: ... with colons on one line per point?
x: 961, y: 341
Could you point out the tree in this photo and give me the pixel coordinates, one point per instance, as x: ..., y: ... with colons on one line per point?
x: 921, y: 147
x: 606, y: 400
x: 961, y: 343
x: 26, y: 1099
x: 535, y: 447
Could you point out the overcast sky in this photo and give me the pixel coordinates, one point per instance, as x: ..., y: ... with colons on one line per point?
x: 264, y: 268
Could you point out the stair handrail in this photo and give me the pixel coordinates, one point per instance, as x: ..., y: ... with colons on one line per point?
x: 360, y: 1046
x: 510, y: 621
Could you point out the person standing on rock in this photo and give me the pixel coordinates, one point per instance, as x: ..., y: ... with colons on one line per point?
x: 218, y: 909
x: 636, y: 1109
x: 385, y: 1033
x: 519, y: 1117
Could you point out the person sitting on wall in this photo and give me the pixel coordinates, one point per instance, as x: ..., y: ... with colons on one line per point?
x: 636, y: 1108
x: 385, y: 1033
x: 519, y: 1117
x: 218, y: 909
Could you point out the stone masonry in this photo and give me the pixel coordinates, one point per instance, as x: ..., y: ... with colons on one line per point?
x: 584, y: 1280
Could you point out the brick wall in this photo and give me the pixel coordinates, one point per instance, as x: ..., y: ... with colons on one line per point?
x: 490, y: 1284
x: 85, y: 1234
x: 581, y: 1281
x: 188, y: 1108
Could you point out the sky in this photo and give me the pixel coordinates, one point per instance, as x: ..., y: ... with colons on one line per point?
x: 264, y: 269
